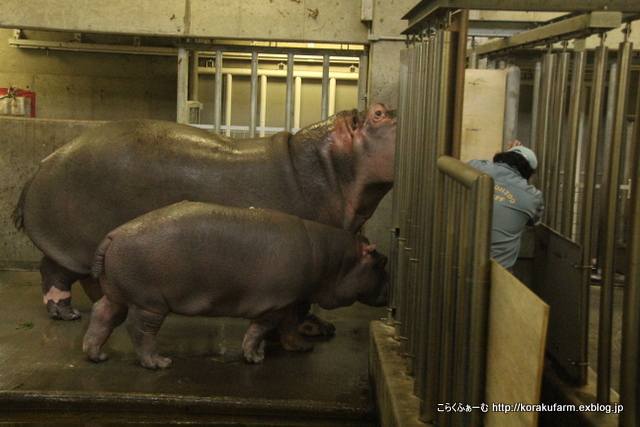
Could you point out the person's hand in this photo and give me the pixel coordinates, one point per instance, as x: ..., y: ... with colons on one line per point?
x: 512, y: 144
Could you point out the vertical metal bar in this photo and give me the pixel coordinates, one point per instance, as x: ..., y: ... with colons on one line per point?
x: 433, y: 335
x: 551, y: 193
x: 332, y: 97
x: 263, y: 104
x: 576, y: 106
x: 363, y: 82
x: 426, y: 212
x: 297, y: 102
x: 447, y: 367
x: 399, y: 185
x: 253, y: 113
x: 408, y: 134
x: 479, y: 295
x: 462, y: 298
x: 473, y: 61
x: 193, y: 76
x: 544, y: 110
x: 325, y: 87
x: 608, y: 264
x: 217, y: 120
x: 511, y: 106
x: 288, y: 115
x: 630, y: 351
x: 413, y: 249
x: 460, y: 26
x: 446, y: 85
x: 228, y: 102
x: 595, y: 115
x: 182, y: 114
x: 533, y: 144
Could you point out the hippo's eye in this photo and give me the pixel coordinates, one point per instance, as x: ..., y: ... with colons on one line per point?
x: 379, y: 114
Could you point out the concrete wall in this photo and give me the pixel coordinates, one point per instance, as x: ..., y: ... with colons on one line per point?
x: 306, y: 20
x: 91, y: 86
x: 23, y: 143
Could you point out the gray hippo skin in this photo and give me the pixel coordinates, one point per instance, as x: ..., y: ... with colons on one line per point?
x: 334, y: 172
x: 210, y: 260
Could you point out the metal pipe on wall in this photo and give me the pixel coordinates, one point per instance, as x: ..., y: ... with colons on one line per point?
x: 182, y: 115
x: 363, y: 82
x: 325, y: 87
x: 193, y: 76
x: 332, y: 96
x: 288, y: 115
x: 217, y: 102
x: 228, y: 103
x: 253, y: 113
x: 297, y: 102
x: 263, y: 104
x: 608, y: 265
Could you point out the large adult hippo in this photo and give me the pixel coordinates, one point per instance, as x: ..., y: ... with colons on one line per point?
x: 334, y: 172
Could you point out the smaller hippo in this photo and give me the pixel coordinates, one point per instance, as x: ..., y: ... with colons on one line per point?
x: 203, y: 259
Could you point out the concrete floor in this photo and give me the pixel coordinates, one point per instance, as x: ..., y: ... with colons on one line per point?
x: 45, y: 377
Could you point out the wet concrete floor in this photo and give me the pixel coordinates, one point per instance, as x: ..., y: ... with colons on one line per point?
x: 45, y: 377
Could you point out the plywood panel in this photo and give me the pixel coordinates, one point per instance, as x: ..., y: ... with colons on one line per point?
x: 515, y: 349
x: 483, y: 114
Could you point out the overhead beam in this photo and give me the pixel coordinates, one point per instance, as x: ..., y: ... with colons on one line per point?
x: 583, y: 25
x: 430, y: 10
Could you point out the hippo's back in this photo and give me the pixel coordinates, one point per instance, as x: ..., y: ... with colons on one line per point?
x: 121, y: 170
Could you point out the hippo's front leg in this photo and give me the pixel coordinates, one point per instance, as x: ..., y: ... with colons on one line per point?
x: 258, y: 329
x: 143, y: 326
x: 290, y: 338
x: 310, y: 324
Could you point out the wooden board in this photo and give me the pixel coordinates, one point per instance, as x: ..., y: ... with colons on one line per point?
x: 515, y: 349
x: 483, y: 114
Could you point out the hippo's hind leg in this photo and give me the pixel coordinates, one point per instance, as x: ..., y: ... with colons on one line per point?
x: 312, y: 325
x: 105, y: 317
x: 56, y: 288
x: 143, y: 326
x: 258, y: 329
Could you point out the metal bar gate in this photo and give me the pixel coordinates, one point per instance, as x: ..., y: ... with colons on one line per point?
x: 441, y: 241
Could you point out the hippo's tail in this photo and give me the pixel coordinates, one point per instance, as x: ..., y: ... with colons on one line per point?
x: 98, y: 260
x: 18, y: 213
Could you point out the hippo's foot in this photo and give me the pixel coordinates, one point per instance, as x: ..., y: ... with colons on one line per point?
x: 56, y: 289
x: 95, y: 355
x: 294, y: 342
x: 254, y: 356
x: 62, y: 310
x: 155, y: 361
x: 290, y: 338
x: 314, y: 326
